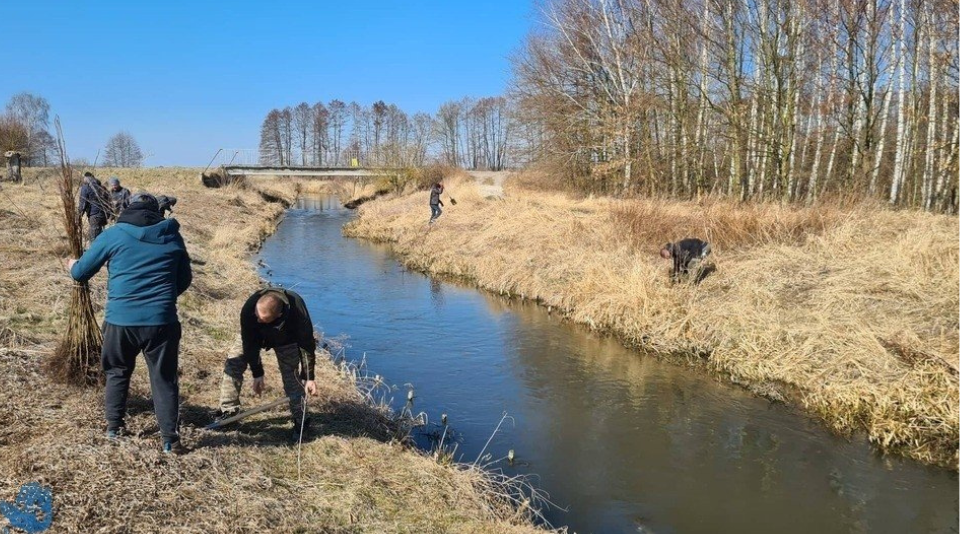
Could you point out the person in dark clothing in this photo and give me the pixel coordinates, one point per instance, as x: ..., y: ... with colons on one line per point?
x: 277, y: 319
x: 148, y: 269
x: 166, y: 204
x: 119, y: 197
x: 435, y: 201
x: 95, y: 204
x: 687, y: 255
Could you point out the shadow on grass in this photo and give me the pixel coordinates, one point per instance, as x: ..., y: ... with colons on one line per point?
x: 351, y: 419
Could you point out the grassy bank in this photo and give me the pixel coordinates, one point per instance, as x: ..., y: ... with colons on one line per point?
x: 850, y: 312
x: 354, y: 477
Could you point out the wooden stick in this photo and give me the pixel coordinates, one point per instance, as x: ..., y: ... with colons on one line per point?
x: 248, y: 413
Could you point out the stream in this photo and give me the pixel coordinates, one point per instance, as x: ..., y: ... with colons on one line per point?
x: 622, y: 442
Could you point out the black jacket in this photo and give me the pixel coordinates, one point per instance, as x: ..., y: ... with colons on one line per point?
x: 685, y: 250
x: 435, y: 192
x: 94, y: 200
x: 293, y: 326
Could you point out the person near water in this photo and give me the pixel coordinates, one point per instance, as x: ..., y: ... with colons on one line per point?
x: 687, y: 255
x: 148, y: 269
x: 435, y: 201
x: 95, y: 204
x: 273, y: 318
x: 119, y: 197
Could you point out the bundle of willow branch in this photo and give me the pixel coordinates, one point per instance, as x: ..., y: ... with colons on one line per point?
x: 76, y: 359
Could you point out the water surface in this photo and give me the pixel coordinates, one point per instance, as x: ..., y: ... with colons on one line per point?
x: 623, y: 442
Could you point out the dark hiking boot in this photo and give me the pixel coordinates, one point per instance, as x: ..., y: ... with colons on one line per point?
x: 116, y: 434
x: 176, y: 448
x: 296, y: 434
x: 224, y: 415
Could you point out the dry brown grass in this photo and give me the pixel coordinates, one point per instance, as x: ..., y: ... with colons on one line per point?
x: 850, y: 312
x: 355, y: 477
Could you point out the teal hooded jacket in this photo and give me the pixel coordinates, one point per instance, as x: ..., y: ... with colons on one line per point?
x: 148, y: 269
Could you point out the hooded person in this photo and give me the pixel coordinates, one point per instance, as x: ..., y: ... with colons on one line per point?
x: 119, y: 197
x: 148, y: 269
x: 95, y: 204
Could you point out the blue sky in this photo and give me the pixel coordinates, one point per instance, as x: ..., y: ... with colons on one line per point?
x: 187, y: 78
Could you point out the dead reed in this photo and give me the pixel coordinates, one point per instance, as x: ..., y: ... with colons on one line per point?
x: 847, y: 310
x: 355, y: 475
x: 76, y: 359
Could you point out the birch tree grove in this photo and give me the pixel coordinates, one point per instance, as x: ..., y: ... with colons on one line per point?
x: 794, y: 100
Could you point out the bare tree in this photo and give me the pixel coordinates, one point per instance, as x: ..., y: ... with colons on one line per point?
x: 286, y: 135
x: 338, y: 117
x: 271, y: 140
x: 320, y: 117
x: 122, y: 150
x: 302, y: 126
x: 447, y: 130
x: 33, y: 113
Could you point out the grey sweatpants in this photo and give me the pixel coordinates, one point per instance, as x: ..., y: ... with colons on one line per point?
x: 288, y: 359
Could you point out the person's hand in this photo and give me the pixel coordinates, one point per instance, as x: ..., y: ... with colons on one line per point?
x: 68, y: 263
x: 258, y: 386
x: 311, y: 387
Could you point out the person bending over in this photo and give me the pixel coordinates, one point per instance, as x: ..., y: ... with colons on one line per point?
x: 277, y: 319
x: 687, y: 255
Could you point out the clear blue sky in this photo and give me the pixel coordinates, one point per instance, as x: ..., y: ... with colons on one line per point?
x: 187, y: 78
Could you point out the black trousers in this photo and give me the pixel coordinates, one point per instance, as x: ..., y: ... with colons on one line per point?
x: 161, y: 347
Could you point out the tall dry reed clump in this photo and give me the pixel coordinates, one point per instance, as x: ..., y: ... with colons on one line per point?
x: 75, y: 360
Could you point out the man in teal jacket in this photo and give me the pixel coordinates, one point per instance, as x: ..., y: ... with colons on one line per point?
x: 148, y: 269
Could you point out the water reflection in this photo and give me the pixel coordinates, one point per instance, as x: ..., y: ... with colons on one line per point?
x: 624, y: 442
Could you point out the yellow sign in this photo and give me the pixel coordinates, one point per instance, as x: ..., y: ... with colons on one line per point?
x: 354, y: 162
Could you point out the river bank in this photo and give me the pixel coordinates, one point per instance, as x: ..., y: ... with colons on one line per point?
x: 355, y: 476
x: 848, y: 312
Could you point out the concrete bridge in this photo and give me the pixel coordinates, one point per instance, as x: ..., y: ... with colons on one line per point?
x: 319, y: 172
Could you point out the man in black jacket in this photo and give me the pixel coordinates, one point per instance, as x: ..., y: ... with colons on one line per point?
x: 435, y: 201
x: 687, y: 255
x: 94, y: 203
x: 277, y: 319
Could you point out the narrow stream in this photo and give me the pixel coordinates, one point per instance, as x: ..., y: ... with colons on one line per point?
x: 622, y: 442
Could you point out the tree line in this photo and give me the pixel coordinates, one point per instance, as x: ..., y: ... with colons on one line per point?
x: 755, y: 99
x: 25, y: 128
x: 472, y: 133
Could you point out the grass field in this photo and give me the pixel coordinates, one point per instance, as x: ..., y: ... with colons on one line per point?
x: 356, y: 476
x: 847, y: 310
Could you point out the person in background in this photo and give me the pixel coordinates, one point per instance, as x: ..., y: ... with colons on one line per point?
x: 273, y: 318
x: 166, y: 204
x: 148, y: 269
x: 95, y: 204
x: 435, y: 201
x: 687, y: 255
x: 119, y: 197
